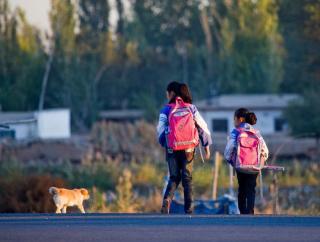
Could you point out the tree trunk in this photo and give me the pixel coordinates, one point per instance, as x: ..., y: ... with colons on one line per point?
x: 45, y: 80
x: 208, y: 38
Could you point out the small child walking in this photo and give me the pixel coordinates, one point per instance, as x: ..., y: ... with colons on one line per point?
x: 247, y: 152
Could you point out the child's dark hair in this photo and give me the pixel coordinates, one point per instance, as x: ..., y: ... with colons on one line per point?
x: 173, y: 87
x: 185, y: 93
x: 248, y: 116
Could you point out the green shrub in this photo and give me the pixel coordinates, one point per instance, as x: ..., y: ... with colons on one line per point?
x: 23, y: 186
x: 102, y: 175
x: 125, y: 201
x: 98, y: 201
x: 148, y: 175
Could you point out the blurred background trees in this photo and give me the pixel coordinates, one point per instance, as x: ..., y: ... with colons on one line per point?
x: 103, y: 62
x: 122, y: 55
x: 22, y: 59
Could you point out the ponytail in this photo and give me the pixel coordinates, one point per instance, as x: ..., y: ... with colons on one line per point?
x: 251, y: 118
x: 248, y: 116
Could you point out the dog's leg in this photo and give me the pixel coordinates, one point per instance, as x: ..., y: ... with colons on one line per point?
x: 58, y: 210
x: 64, y: 209
x: 81, y: 208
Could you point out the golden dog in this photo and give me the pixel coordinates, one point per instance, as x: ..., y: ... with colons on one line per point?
x: 64, y: 198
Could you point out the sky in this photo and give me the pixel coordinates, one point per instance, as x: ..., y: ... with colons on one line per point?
x: 36, y: 11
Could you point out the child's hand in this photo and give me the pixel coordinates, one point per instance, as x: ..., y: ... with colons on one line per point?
x: 207, y: 151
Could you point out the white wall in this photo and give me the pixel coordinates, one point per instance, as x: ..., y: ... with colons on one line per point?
x: 265, y: 118
x: 54, y: 124
x: 266, y: 121
x: 26, y: 130
x: 210, y: 115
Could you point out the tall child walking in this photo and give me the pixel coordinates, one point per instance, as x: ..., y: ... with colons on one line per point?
x: 247, y: 152
x: 179, y: 129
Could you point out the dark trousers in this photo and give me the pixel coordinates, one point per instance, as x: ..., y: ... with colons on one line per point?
x: 247, y: 192
x: 180, y: 169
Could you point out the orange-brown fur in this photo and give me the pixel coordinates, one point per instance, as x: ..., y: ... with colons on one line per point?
x: 64, y: 198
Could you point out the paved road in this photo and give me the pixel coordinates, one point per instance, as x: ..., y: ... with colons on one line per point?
x: 154, y: 228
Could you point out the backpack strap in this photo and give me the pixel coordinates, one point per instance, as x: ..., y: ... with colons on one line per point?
x: 179, y: 100
x: 176, y: 105
x: 241, y: 129
x: 201, y: 154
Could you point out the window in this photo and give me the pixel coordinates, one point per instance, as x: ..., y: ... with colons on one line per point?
x: 4, y: 133
x: 280, y: 125
x: 220, y: 125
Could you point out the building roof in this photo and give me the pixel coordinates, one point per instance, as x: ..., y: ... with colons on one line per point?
x: 16, y: 117
x: 251, y: 101
x: 122, y: 114
x: 23, y: 117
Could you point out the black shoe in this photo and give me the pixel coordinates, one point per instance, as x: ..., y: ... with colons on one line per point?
x: 189, y: 212
x: 165, y: 206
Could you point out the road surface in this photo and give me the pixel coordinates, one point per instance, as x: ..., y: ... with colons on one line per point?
x: 154, y: 228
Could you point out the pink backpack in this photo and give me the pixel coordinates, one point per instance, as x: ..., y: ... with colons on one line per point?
x: 182, y: 133
x: 248, y: 151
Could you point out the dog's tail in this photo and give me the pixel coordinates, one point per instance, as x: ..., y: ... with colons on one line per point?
x: 84, y: 192
x: 53, y: 190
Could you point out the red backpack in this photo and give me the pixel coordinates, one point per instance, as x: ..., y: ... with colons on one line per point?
x: 182, y: 132
x: 248, y: 151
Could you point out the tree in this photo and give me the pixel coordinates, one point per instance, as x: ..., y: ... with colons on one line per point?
x: 250, y: 52
x: 78, y: 55
x: 312, y: 32
x: 93, y: 40
x: 222, y: 46
x: 304, y: 116
x: 299, y: 21
x: 64, y: 86
x: 169, y: 45
x: 21, y: 60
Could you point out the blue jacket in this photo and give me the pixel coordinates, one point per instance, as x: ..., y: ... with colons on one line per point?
x: 204, y: 133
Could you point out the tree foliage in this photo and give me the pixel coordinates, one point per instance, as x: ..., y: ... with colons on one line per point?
x: 251, y: 48
x: 21, y: 60
x: 102, y: 62
x: 304, y: 116
x: 299, y: 21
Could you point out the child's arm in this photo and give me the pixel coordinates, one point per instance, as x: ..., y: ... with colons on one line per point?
x: 162, y: 125
x: 204, y: 132
x: 231, y: 147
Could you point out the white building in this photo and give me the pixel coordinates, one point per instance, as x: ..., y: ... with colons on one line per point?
x: 219, y: 111
x: 46, y: 124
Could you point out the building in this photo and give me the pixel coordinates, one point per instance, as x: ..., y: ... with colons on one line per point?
x: 122, y: 115
x: 46, y: 124
x: 218, y: 111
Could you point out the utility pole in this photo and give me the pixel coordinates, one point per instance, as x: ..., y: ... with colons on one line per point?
x: 275, y: 194
x: 45, y: 80
x: 217, y: 161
